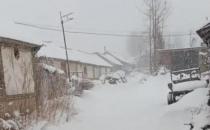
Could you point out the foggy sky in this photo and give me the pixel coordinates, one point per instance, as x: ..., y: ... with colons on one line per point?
x: 108, y: 16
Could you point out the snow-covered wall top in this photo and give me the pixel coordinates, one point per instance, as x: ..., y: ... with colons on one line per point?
x: 73, y: 55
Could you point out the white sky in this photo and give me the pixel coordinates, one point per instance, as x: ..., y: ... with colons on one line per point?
x: 112, y: 16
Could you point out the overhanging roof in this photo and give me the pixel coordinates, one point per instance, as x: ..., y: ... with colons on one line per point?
x: 19, y: 42
x: 204, y: 33
x: 5, y: 40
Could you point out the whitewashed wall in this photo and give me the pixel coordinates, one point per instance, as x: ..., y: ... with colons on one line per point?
x: 97, y: 72
x: 90, y: 72
x: 93, y: 71
x: 108, y: 70
x: 103, y: 70
x: 18, y: 73
x: 73, y: 67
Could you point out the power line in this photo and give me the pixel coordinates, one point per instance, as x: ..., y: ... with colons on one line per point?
x: 98, y: 33
x: 78, y: 32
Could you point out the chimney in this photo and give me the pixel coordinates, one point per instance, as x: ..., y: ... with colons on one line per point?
x: 105, y: 49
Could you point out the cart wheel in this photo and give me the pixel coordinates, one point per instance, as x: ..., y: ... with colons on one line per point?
x: 171, y: 98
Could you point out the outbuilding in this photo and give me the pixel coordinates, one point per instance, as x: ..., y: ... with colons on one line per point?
x: 17, y: 84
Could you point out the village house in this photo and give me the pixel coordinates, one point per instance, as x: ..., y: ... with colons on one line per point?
x: 82, y: 64
x: 17, y: 84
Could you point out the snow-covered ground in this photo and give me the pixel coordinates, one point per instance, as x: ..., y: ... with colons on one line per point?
x: 139, y: 104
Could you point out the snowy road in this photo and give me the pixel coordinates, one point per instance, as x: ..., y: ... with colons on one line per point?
x: 130, y: 106
x: 137, y: 105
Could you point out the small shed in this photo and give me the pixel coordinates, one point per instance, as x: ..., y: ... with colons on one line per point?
x: 17, y: 85
x: 182, y: 58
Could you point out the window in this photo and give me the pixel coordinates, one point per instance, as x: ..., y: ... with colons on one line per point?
x: 16, y: 53
x: 85, y: 70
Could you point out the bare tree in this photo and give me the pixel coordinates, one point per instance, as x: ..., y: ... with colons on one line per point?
x: 157, y: 12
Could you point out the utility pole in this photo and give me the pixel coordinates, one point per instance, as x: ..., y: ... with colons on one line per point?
x: 64, y: 39
x: 150, y: 44
x: 190, y: 35
x: 67, y: 58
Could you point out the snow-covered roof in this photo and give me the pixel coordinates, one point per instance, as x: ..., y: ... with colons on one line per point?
x: 125, y: 59
x: 175, y: 49
x: 112, y: 59
x: 116, y: 59
x: 53, y: 51
x: 206, y: 26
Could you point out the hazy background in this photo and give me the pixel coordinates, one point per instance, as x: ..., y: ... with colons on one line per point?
x: 102, y: 16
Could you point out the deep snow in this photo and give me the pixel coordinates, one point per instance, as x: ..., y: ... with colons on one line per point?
x: 138, y: 104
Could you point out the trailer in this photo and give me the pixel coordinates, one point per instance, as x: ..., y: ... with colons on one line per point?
x: 185, y: 73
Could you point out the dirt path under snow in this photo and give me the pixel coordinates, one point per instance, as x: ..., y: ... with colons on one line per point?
x: 131, y: 106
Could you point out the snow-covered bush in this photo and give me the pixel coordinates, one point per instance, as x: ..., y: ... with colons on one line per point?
x: 9, y: 125
x: 114, y: 77
x: 162, y: 70
x: 54, y: 94
x: 137, y: 77
x: 52, y: 69
x: 4, y: 125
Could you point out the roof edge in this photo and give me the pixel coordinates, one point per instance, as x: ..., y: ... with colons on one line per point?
x: 15, y: 41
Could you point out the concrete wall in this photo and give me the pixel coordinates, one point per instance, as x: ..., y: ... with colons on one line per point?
x: 18, y: 72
